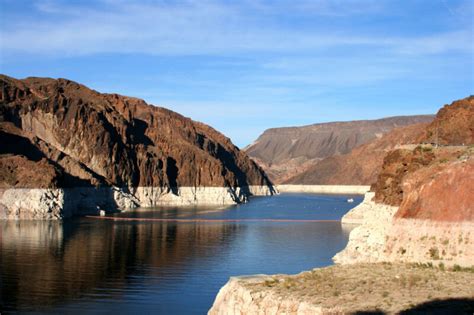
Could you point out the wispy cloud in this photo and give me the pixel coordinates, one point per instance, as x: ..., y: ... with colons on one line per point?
x: 204, y: 27
x: 243, y: 66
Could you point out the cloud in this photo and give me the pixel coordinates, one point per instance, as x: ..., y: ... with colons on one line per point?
x: 205, y: 28
x: 243, y: 66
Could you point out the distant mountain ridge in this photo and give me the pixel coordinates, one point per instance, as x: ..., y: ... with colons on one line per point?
x: 286, y: 152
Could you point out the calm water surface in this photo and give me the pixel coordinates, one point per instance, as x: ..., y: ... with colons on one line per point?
x: 99, y: 266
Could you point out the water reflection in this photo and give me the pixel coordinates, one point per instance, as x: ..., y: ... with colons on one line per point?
x: 95, y: 265
x: 46, y: 262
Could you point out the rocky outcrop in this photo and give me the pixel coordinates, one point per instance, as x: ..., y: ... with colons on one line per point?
x: 285, y: 153
x: 368, y: 210
x: 421, y: 208
x: 382, y: 237
x: 361, y: 288
x: 442, y: 191
x: 397, y: 165
x: 235, y: 298
x: 454, y: 124
x: 58, y: 134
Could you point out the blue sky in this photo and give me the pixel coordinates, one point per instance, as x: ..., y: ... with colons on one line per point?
x: 245, y: 66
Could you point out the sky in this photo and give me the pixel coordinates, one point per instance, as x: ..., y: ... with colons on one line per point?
x: 245, y: 66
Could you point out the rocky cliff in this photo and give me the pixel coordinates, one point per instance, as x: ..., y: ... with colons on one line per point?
x: 429, y: 193
x: 285, y: 153
x: 454, y: 124
x: 62, y: 138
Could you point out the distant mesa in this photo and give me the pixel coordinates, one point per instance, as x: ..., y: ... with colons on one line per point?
x: 66, y: 148
x: 291, y: 155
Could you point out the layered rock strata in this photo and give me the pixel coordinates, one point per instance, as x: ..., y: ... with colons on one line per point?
x: 68, y: 150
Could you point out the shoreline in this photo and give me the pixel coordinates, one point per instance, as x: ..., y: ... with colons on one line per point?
x: 324, y: 189
x: 60, y: 203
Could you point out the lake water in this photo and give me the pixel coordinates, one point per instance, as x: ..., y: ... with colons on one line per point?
x: 102, y: 266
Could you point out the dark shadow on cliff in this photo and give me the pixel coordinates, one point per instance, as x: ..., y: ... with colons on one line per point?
x: 172, y: 174
x: 137, y: 132
x: 17, y: 145
x: 448, y: 306
x: 435, y: 307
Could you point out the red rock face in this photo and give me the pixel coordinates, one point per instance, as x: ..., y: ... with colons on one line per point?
x: 454, y: 124
x: 90, y: 138
x: 442, y: 192
x: 429, y: 182
x: 397, y: 165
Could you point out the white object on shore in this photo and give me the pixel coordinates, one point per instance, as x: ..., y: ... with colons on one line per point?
x: 102, y: 213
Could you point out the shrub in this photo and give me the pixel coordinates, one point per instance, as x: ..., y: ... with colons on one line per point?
x: 434, y: 253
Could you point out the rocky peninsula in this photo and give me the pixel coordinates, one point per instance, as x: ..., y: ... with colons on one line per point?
x: 68, y: 150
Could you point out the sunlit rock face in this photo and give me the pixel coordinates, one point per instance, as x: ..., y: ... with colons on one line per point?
x: 60, y: 134
x: 422, y: 206
x: 454, y: 124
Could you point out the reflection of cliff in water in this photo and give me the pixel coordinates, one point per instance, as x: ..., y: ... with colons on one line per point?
x: 49, y: 262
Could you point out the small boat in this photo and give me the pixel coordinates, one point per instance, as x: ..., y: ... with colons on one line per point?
x: 350, y: 200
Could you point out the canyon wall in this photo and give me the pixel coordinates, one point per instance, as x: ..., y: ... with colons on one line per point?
x: 67, y: 149
x: 291, y: 155
x: 422, y: 206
